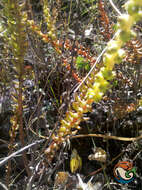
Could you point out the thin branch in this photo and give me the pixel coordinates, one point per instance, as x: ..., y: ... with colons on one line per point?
x: 5, y: 160
x: 4, y: 187
x: 115, y: 8
x: 29, y: 184
x: 3, y: 141
x: 109, y: 137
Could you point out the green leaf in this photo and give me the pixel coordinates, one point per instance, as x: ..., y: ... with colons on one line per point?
x: 82, y: 64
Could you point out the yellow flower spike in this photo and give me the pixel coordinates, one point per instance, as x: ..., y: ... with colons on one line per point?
x: 109, y: 60
x: 104, y: 87
x: 82, y: 94
x: 112, y: 56
x: 78, y: 127
x: 95, y: 93
x: 75, y: 105
x: 107, y: 74
x: 125, y: 36
x: 76, y: 123
x: 75, y: 116
x: 120, y: 55
x: 137, y: 2
x: 69, y: 118
x: 60, y: 134
x: 83, y: 88
x: 89, y: 85
x: 90, y: 94
x: 103, y: 84
x: 65, y: 123
x: 98, y: 97
x: 89, y: 105
x: 125, y: 22
x: 132, y: 8
x: 80, y: 109
x: 86, y: 107
x: 113, y: 46
x: 56, y: 138
x: 75, y: 161
x: 96, y: 87
x: 82, y: 103
x: 77, y: 98
x: 63, y: 129
x: 99, y: 77
x: 89, y: 81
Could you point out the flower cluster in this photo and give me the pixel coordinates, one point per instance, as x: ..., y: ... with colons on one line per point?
x: 114, y: 53
x: 97, y: 85
x: 48, y: 19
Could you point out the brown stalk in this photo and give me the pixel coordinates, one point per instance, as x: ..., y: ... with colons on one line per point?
x: 21, y: 130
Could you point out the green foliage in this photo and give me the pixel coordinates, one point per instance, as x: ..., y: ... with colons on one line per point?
x: 82, y: 64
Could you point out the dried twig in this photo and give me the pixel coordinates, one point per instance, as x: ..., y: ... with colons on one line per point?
x: 115, y: 8
x: 29, y: 184
x: 5, y: 160
x: 109, y: 137
x: 4, y: 187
